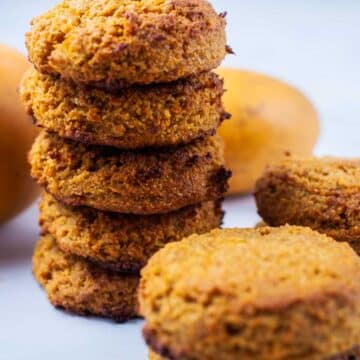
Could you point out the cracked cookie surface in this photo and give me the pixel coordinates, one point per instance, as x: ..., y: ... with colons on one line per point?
x: 116, y: 43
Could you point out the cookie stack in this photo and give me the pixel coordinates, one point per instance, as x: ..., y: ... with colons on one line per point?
x: 128, y: 157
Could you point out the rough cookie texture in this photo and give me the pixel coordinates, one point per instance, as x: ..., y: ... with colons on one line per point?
x: 115, y: 43
x: 268, y: 293
x: 152, y: 116
x: 322, y: 193
x: 80, y: 287
x: 142, y: 182
x: 122, y: 242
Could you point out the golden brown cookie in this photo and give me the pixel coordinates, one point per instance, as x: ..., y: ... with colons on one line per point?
x: 114, y: 43
x: 266, y: 293
x: 322, y: 193
x: 139, y: 117
x: 142, y: 182
x: 81, y: 287
x: 122, y: 242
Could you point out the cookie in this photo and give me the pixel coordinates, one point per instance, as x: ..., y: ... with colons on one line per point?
x: 122, y: 242
x: 81, y: 287
x: 152, y: 116
x: 266, y: 293
x: 142, y: 182
x: 322, y: 193
x: 117, y: 43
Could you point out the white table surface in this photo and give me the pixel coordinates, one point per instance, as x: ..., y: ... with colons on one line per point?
x: 311, y: 44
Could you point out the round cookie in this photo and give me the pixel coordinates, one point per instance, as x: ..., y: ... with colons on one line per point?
x: 116, y: 43
x: 322, y: 193
x: 122, y: 242
x: 82, y: 288
x: 142, y: 182
x: 267, y: 293
x: 153, y: 116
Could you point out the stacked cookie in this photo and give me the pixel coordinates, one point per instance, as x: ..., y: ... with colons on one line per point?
x: 128, y: 157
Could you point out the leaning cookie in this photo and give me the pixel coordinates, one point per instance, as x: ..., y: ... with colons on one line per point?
x: 116, y: 43
x: 267, y: 293
x: 153, y: 116
x: 82, y: 288
x: 322, y: 193
x: 141, y: 182
x: 122, y: 242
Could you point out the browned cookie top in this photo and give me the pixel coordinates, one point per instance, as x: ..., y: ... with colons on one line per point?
x: 266, y: 293
x: 114, y: 43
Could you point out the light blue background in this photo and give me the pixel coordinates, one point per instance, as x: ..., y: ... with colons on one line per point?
x: 313, y: 45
